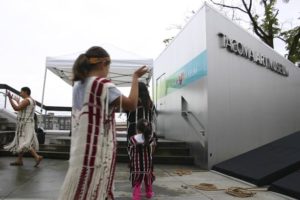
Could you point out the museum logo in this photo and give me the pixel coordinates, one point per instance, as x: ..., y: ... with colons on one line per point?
x: 240, y: 49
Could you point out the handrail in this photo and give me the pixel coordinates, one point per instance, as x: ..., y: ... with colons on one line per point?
x: 47, y: 108
x: 4, y: 132
x: 186, y: 113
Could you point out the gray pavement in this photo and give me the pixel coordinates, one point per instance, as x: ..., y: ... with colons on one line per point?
x: 27, y: 182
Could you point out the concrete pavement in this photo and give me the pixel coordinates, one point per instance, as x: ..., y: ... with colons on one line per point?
x: 27, y: 182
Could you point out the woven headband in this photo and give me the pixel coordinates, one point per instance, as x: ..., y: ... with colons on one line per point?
x: 96, y: 60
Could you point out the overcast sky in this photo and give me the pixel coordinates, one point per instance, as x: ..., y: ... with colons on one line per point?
x: 31, y: 30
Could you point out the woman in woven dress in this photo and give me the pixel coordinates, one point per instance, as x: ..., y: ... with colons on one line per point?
x: 25, y: 139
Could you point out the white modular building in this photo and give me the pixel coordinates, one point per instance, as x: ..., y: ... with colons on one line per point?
x: 224, y: 91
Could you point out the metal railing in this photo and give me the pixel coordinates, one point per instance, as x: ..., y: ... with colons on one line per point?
x: 6, y: 88
x: 42, y: 111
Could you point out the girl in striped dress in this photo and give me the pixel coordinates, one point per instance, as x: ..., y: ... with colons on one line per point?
x: 144, y: 110
x: 93, y: 144
x: 141, y: 159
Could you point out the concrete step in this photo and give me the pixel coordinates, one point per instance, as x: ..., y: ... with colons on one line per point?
x: 172, y: 160
x: 162, y: 151
x: 3, y: 120
x: 6, y: 137
x: 162, y: 143
x: 54, y: 148
x: 54, y: 155
x: 45, y: 154
x: 121, y: 128
x: 64, y: 145
x: 168, y: 151
x: 64, y: 140
x: 7, y: 126
x: 122, y: 158
x: 8, y: 115
x: 123, y: 134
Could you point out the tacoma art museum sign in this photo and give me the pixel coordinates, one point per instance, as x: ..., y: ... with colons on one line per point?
x: 240, y: 49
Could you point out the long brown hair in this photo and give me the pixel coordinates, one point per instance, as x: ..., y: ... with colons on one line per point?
x: 88, y: 61
x: 144, y: 126
x: 144, y: 96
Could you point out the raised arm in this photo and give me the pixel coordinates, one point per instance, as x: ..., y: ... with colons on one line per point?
x: 130, y: 103
x: 15, y: 104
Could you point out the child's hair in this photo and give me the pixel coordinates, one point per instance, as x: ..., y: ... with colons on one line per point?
x: 145, y: 97
x: 89, y: 61
x: 144, y: 126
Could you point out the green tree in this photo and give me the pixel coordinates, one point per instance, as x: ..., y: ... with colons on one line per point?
x: 267, y: 27
x: 292, y: 39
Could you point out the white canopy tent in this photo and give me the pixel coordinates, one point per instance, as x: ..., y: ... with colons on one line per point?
x: 123, y: 64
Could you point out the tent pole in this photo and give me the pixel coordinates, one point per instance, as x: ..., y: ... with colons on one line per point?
x: 152, y: 80
x: 43, y: 94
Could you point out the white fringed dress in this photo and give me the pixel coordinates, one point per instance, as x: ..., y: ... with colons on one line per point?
x: 25, y: 136
x: 93, y: 146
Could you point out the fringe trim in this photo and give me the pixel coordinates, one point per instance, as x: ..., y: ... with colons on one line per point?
x: 17, y: 148
x: 96, y: 189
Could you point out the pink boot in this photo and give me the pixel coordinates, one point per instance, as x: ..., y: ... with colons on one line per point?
x: 136, y: 194
x: 149, y: 192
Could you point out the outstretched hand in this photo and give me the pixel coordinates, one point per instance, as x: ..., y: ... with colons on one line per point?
x: 9, y: 95
x: 16, y: 98
x: 141, y: 71
x: 13, y: 97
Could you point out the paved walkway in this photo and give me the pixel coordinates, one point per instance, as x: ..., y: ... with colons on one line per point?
x: 27, y: 182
